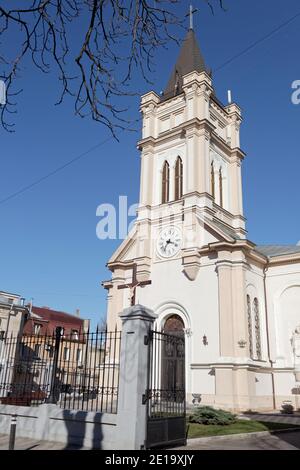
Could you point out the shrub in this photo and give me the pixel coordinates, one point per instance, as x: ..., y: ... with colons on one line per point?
x: 208, y: 415
x: 287, y: 408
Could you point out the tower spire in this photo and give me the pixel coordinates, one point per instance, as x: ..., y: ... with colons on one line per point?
x: 189, y: 60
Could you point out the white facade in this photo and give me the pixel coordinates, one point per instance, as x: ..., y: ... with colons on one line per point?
x: 239, y: 303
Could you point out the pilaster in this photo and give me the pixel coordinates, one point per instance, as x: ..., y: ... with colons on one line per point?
x: 232, y: 304
x: 235, y: 120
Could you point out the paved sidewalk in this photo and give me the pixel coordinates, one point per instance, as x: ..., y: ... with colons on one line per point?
x: 274, y: 418
x: 288, y: 440
x: 23, y: 443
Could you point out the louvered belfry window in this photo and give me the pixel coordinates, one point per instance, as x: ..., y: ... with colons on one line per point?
x: 221, y: 187
x: 165, y: 183
x: 178, y: 179
x: 212, y: 175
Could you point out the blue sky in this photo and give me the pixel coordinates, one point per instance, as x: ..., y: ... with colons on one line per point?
x: 48, y: 243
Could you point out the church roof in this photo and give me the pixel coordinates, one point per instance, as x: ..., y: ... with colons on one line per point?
x: 277, y: 250
x: 227, y: 230
x: 189, y: 60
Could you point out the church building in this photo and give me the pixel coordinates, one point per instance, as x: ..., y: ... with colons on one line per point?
x: 237, y: 303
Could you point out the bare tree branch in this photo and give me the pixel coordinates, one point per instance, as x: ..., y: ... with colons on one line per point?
x: 95, y: 46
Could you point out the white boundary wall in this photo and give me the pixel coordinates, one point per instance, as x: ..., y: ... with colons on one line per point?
x: 51, y: 423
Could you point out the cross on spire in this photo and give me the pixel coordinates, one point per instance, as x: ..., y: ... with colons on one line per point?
x: 190, y: 14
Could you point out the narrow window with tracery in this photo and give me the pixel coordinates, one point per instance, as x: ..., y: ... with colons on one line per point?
x: 212, y: 176
x: 257, y: 328
x: 221, y: 187
x: 178, y: 178
x: 249, y: 317
x: 165, y: 183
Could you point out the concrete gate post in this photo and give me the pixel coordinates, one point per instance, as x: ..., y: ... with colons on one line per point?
x: 132, y: 413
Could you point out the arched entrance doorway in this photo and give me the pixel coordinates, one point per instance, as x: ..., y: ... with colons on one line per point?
x: 173, y: 354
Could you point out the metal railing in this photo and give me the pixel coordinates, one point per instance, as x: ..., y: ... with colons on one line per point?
x: 79, y: 372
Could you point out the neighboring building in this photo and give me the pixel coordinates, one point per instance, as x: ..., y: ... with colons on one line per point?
x: 29, y: 362
x: 13, y: 314
x: 39, y: 335
x: 44, y: 321
x: 237, y: 303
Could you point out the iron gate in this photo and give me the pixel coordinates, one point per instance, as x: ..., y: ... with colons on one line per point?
x: 165, y: 396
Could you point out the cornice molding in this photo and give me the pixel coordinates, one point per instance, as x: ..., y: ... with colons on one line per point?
x: 178, y: 131
x: 119, y: 264
x: 284, y: 259
x: 257, y: 257
x: 236, y: 245
x: 107, y: 284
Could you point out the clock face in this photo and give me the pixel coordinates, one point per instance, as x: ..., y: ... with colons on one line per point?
x: 169, y: 242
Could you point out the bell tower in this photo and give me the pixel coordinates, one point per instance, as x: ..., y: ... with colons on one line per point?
x: 188, y: 121
x: 190, y: 183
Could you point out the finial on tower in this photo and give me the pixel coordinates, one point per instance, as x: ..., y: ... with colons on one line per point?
x: 190, y: 14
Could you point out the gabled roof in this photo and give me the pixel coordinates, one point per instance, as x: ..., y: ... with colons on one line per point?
x: 226, y: 229
x: 189, y: 60
x: 55, y: 315
x: 49, y: 319
x: 277, y: 250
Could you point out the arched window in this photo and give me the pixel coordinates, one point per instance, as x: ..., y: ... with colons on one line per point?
x: 257, y: 328
x: 165, y: 183
x: 174, y: 325
x: 221, y: 187
x: 249, y: 317
x: 178, y: 178
x: 212, y: 176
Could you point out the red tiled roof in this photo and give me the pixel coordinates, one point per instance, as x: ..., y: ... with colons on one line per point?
x: 50, y: 319
x: 55, y: 315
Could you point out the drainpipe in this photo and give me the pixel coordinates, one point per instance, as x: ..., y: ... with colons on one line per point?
x: 268, y: 338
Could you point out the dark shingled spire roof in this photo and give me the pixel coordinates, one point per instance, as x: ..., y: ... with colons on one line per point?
x: 189, y: 60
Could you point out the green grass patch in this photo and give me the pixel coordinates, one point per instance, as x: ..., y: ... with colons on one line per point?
x: 241, y: 426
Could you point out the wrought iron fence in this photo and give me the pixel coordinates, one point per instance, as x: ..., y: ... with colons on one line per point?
x: 79, y: 372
